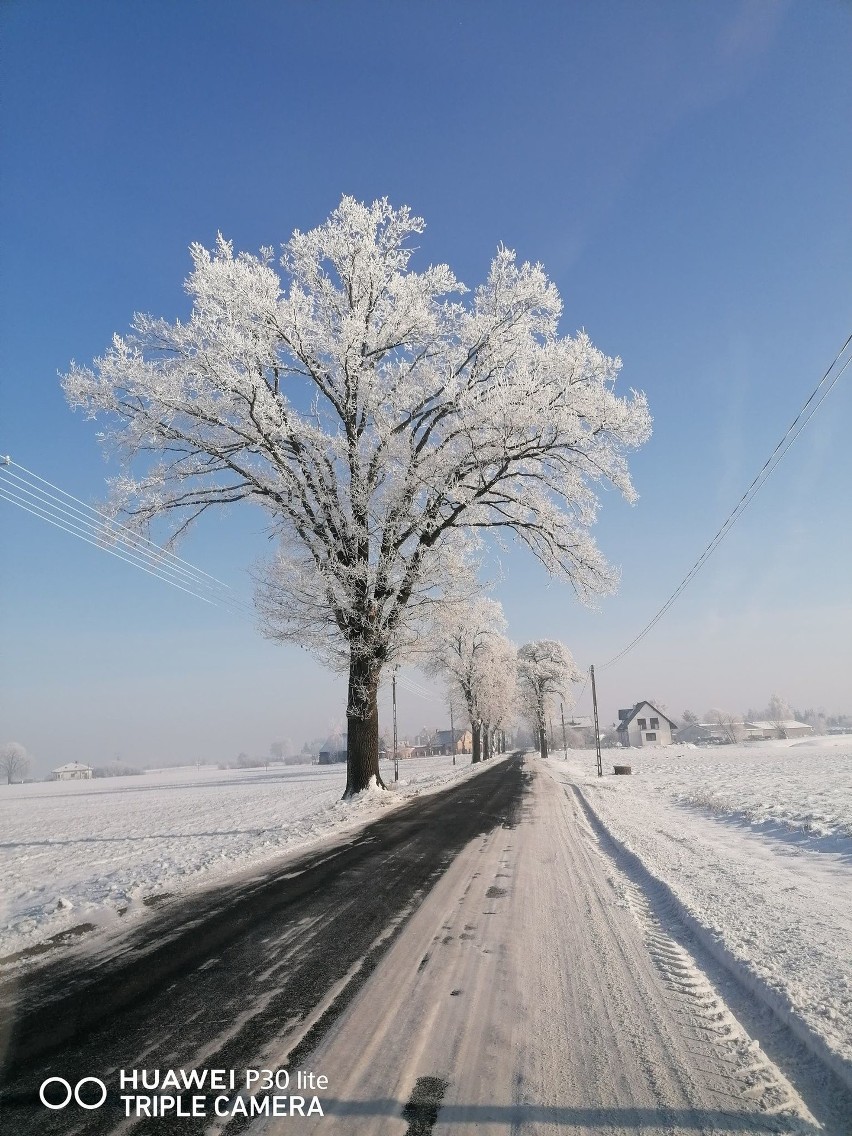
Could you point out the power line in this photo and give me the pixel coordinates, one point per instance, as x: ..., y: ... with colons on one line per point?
x: 112, y: 524
x: 415, y: 688
x: 582, y: 692
x: 105, y: 533
x: 100, y: 531
x: 769, y: 466
x: 78, y: 524
x: 97, y: 544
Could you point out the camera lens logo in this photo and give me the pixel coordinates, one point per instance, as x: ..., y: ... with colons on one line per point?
x: 69, y: 1092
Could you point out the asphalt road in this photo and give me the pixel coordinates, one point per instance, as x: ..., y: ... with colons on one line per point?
x: 241, y: 977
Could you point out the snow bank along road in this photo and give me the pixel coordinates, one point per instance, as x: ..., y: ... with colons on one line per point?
x: 752, y: 847
x: 519, y: 979
x: 234, y: 973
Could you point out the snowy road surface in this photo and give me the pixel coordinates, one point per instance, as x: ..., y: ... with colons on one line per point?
x: 519, y: 980
x: 240, y: 976
x: 752, y: 845
x: 528, y: 995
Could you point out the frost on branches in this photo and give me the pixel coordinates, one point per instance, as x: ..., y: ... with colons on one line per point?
x: 546, y: 670
x: 467, y: 648
x: 372, y: 410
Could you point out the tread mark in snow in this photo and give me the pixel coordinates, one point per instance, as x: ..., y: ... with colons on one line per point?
x: 697, y: 1005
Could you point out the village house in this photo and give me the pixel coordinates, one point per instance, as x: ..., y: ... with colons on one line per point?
x: 73, y: 771
x: 334, y: 750
x: 645, y: 725
x: 444, y: 740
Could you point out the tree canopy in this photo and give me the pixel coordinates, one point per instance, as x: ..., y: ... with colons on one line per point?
x: 377, y: 413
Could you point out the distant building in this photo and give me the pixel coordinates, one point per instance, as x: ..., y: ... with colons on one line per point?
x: 704, y: 733
x: 645, y: 725
x: 578, y: 722
x: 73, y: 771
x: 334, y: 750
x: 444, y: 740
x: 791, y: 729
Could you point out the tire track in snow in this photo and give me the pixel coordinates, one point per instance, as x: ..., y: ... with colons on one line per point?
x: 789, y: 1074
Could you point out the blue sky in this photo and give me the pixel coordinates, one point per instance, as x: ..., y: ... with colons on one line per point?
x: 683, y: 171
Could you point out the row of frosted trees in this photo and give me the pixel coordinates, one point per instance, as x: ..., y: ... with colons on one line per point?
x: 491, y: 678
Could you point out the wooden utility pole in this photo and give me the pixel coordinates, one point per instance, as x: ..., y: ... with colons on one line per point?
x: 452, y: 732
x: 395, y: 750
x: 597, y: 731
x: 564, y: 739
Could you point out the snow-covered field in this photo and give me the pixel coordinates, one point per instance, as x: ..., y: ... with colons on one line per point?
x: 752, y: 847
x: 749, y: 846
x: 94, y: 852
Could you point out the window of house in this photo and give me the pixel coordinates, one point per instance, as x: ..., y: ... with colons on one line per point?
x: 655, y: 723
x: 642, y: 723
x: 650, y: 737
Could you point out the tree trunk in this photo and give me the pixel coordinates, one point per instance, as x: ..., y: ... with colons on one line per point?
x: 542, y: 741
x: 362, y: 735
x: 477, y: 744
x: 486, y: 741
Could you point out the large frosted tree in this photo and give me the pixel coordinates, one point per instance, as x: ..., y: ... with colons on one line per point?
x: 375, y: 412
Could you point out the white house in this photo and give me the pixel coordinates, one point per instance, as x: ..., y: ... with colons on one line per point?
x: 645, y: 725
x: 73, y: 771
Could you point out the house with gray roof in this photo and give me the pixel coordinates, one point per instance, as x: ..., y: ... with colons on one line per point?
x: 643, y: 724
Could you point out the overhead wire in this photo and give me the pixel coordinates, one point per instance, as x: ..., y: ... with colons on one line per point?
x: 93, y: 533
x: 101, y: 531
x: 769, y: 466
x: 415, y: 688
x: 112, y: 524
x: 107, y: 534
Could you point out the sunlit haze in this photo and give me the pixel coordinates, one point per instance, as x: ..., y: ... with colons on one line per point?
x: 682, y: 172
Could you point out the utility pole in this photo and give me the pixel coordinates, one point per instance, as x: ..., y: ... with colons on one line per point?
x: 452, y: 732
x: 395, y: 750
x: 597, y: 731
x: 564, y: 739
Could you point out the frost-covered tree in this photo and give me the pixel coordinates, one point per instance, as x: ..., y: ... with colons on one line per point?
x: 546, y: 670
x: 465, y: 642
x: 731, y: 726
x: 373, y: 411
x: 14, y: 762
x: 814, y: 718
x: 779, y: 713
x: 496, y: 688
